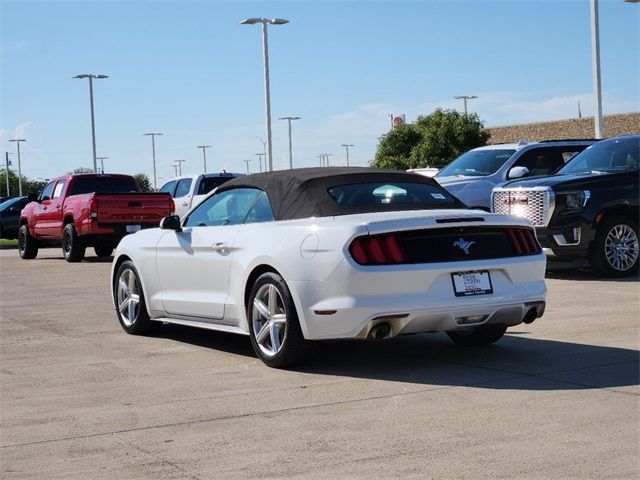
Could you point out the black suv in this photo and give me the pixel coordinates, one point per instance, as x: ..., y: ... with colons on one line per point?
x: 587, y: 210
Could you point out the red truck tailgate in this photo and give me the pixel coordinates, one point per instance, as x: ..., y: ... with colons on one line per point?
x: 132, y: 207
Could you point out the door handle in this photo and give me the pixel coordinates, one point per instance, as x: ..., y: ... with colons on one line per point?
x: 185, y: 204
x: 220, y: 247
x: 58, y: 207
x: 44, y: 208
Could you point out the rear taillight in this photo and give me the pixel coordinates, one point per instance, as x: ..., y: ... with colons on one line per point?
x: 93, y: 209
x: 377, y: 250
x: 522, y: 240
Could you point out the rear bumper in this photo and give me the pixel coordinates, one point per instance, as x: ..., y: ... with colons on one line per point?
x: 350, y: 304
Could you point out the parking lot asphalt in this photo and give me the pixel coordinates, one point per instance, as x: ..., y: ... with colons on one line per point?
x: 81, y: 399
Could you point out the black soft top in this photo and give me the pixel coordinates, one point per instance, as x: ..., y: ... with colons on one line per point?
x: 303, y: 192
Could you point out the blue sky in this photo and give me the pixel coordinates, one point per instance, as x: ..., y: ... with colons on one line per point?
x: 191, y: 71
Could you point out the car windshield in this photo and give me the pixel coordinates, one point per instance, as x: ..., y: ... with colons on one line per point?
x: 607, y: 156
x: 477, y: 163
x: 392, y: 193
x: 12, y: 201
x: 103, y: 185
x: 209, y: 183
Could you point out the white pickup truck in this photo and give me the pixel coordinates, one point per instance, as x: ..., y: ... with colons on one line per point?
x: 189, y: 190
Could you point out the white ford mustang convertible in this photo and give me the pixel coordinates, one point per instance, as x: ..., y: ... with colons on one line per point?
x: 294, y: 256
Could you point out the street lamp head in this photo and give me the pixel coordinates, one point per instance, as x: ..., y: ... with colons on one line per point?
x: 151, y: 133
x: 90, y: 75
x: 347, y: 145
x: 272, y: 21
x: 203, y: 146
x: 18, y: 140
x: 289, y: 118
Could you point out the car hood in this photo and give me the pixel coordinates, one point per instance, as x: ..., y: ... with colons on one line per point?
x: 561, y: 181
x: 453, y: 180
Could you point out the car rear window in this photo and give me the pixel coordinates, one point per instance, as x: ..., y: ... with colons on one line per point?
x: 392, y: 193
x: 103, y: 185
x: 209, y: 183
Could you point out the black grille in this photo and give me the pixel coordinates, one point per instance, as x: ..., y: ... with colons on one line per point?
x: 467, y: 243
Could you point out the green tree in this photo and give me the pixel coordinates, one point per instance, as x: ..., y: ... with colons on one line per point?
x: 144, y: 182
x: 28, y: 186
x: 433, y: 140
x: 80, y: 170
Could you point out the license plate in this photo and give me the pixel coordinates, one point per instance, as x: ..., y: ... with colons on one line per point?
x: 133, y: 228
x: 466, y: 284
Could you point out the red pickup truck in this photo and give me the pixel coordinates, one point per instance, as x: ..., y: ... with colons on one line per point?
x: 88, y: 210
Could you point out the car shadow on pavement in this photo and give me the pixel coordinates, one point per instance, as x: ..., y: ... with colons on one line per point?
x: 584, y: 274
x: 517, y: 361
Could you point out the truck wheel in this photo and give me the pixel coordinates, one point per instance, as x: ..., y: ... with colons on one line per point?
x: 615, y: 252
x: 27, y: 245
x: 72, y: 246
x: 129, y: 301
x: 103, y: 250
x: 479, y: 336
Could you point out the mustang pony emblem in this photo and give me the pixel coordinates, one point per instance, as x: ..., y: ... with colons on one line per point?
x: 463, y: 245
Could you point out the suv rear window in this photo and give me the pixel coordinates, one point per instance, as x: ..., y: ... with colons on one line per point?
x: 393, y: 193
x: 103, y: 185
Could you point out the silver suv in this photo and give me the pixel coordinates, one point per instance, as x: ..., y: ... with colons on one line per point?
x: 472, y: 176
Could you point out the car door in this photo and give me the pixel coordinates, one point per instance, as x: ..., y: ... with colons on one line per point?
x: 41, y: 211
x: 182, y: 197
x: 546, y: 160
x: 193, y: 264
x: 52, y: 216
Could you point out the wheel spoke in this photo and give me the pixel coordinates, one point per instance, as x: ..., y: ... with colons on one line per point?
x: 124, y: 305
x: 123, y: 286
x: 262, y: 308
x: 263, y: 333
x: 132, y: 309
x: 273, y: 299
x: 279, y: 319
x: 132, y: 282
x: 275, y: 338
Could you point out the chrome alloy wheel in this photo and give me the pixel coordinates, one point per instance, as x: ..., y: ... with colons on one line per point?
x: 128, y: 297
x: 621, y: 247
x: 269, y: 319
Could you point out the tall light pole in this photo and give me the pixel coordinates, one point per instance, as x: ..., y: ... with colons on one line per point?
x: 267, y: 94
x: 595, y: 70
x: 175, y: 169
x: 289, y: 119
x: 204, y: 155
x: 18, y: 140
x: 247, y: 164
x: 321, y: 157
x: 346, y: 146
x: 153, y: 154
x: 179, y: 163
x: 102, y: 159
x: 326, y: 158
x: 260, y: 159
x: 91, y: 76
x: 465, y: 98
x: 7, y: 162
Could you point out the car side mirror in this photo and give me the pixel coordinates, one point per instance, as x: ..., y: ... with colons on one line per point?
x: 518, y: 172
x: 172, y: 222
x: 32, y: 197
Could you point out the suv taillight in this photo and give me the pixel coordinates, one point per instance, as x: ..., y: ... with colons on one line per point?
x: 377, y: 250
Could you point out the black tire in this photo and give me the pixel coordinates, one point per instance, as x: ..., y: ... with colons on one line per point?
x: 103, y: 250
x: 72, y: 247
x: 292, y: 348
x: 27, y: 245
x: 479, y: 336
x: 602, y: 260
x: 135, y: 320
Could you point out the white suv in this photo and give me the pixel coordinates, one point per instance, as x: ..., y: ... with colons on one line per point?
x: 187, y: 191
